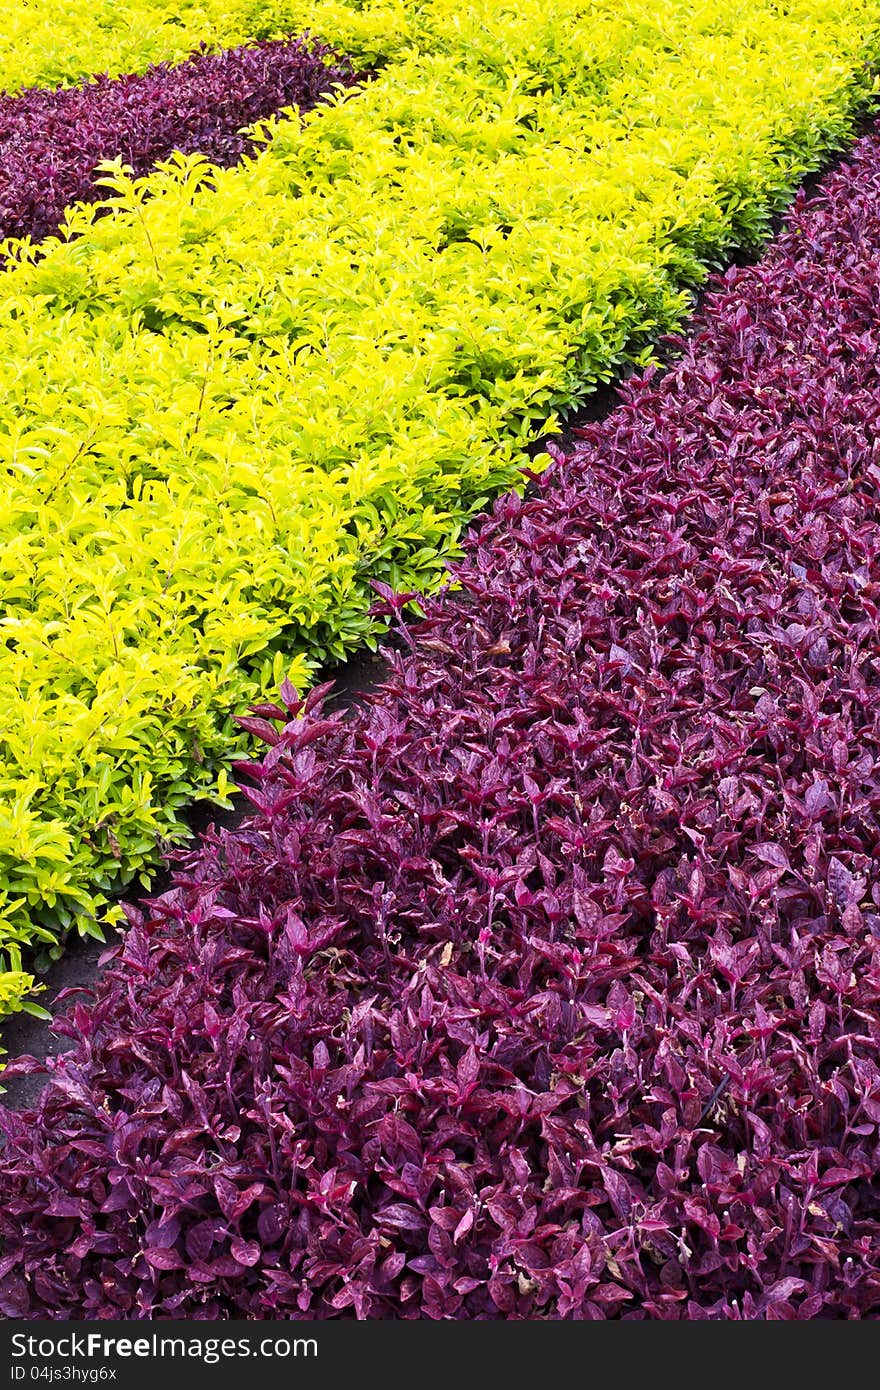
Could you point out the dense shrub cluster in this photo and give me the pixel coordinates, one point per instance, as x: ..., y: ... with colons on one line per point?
x: 45, y: 44
x: 546, y: 984
x: 229, y: 404
x: 52, y: 139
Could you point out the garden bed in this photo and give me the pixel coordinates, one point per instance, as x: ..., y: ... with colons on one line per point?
x: 545, y: 984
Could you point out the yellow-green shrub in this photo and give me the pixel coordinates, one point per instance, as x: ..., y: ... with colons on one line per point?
x: 229, y: 403
x: 44, y: 44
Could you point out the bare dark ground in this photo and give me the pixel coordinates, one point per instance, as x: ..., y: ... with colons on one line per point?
x: 362, y: 673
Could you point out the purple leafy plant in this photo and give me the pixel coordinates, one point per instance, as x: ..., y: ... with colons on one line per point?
x: 545, y: 984
x: 52, y: 139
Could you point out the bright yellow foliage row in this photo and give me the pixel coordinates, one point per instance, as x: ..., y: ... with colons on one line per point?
x: 229, y: 403
x: 51, y: 44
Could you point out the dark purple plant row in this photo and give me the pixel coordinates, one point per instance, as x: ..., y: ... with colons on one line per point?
x: 545, y: 985
x: 51, y: 140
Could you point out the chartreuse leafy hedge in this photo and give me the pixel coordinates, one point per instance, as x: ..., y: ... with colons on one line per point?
x: 46, y: 44
x: 231, y: 403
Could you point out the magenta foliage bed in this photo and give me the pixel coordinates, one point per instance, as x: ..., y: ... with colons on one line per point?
x: 51, y: 140
x: 546, y: 985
